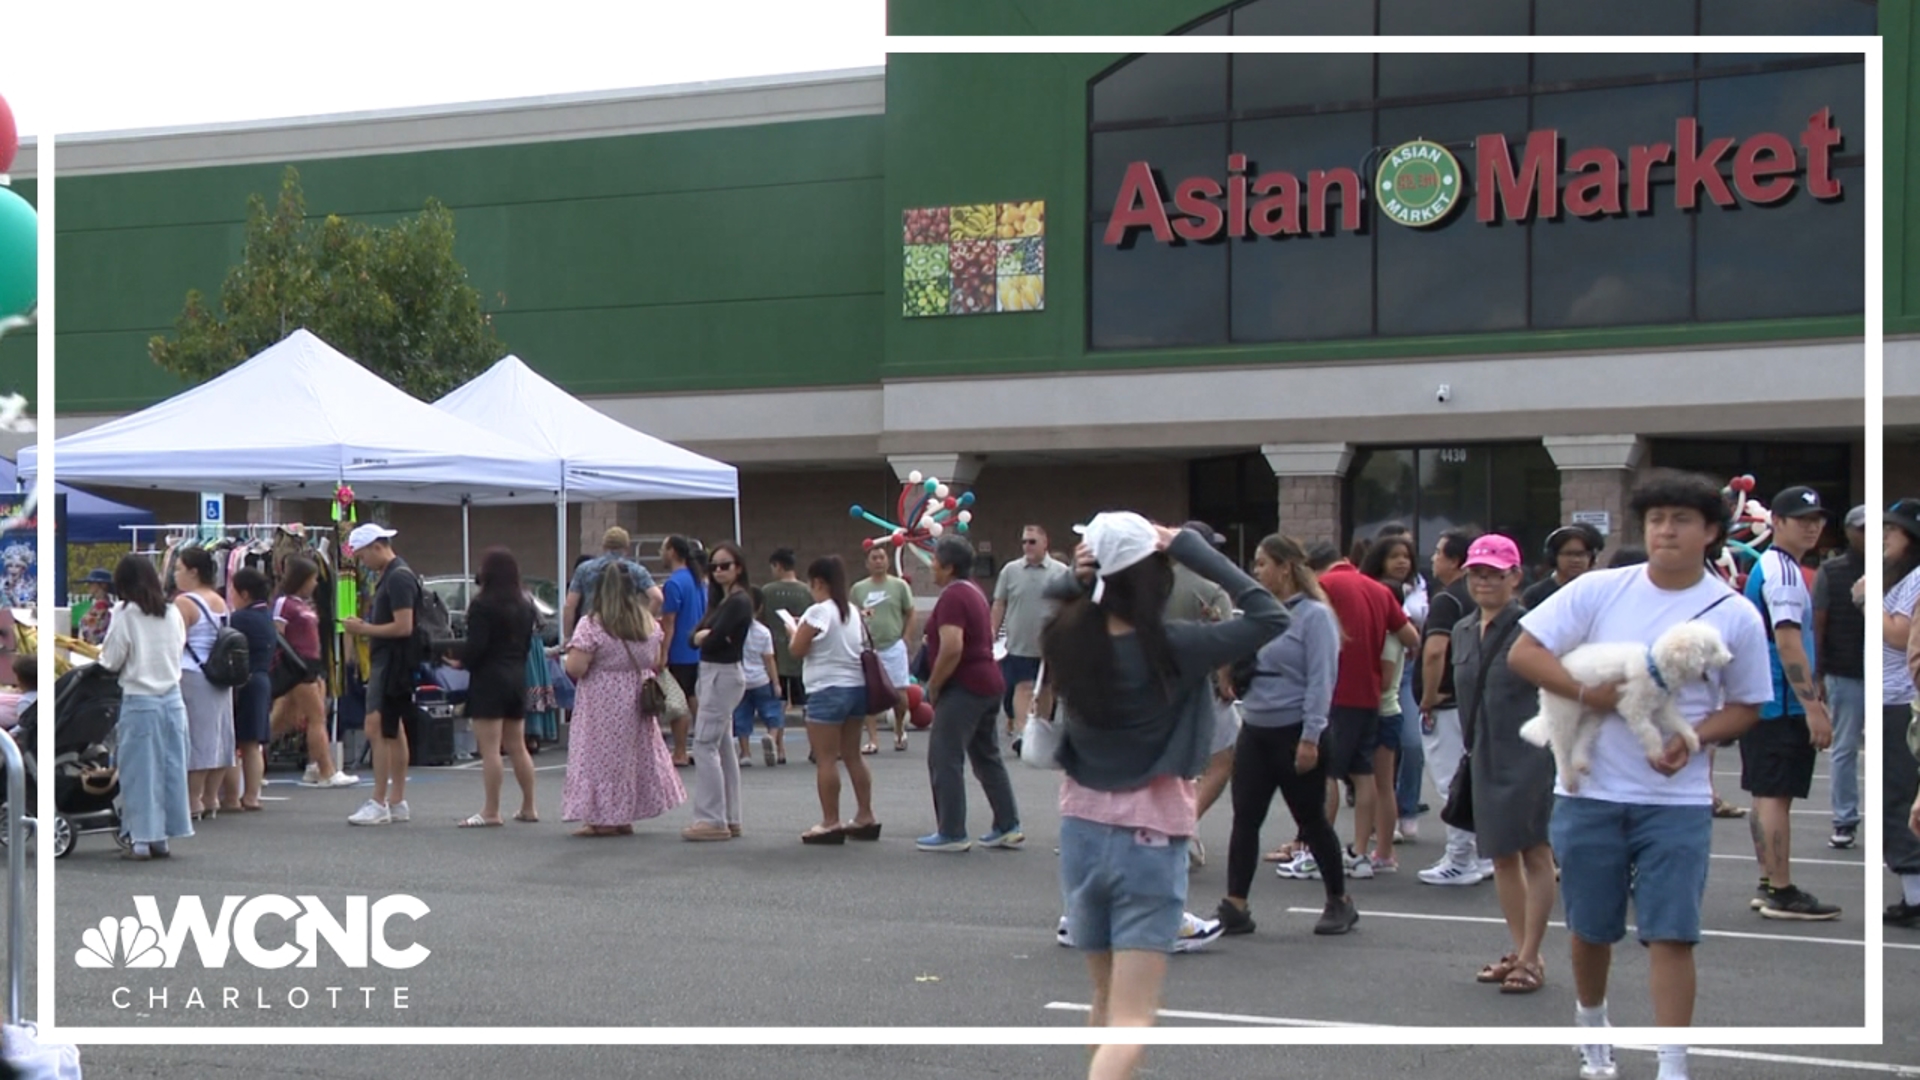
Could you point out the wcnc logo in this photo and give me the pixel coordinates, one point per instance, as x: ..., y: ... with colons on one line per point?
x: 357, y: 937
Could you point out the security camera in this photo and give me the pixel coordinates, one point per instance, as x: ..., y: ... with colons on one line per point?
x: 1444, y: 394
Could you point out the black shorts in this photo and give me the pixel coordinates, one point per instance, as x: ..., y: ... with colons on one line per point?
x: 1346, y: 747
x: 1777, y: 759
x: 687, y: 675
x: 795, y: 689
x: 388, y: 693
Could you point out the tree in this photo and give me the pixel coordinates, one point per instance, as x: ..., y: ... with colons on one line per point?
x: 393, y: 298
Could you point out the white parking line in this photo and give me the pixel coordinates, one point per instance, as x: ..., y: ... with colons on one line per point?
x: 1855, y: 863
x: 1487, y: 920
x: 1886, y: 1067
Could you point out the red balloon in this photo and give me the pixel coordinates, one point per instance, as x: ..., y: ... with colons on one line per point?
x: 915, y: 695
x: 9, y: 136
x: 867, y: 544
x: 899, y: 540
x: 952, y: 503
x: 922, y: 716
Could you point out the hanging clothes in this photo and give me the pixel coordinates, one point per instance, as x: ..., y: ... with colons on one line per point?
x: 543, y: 713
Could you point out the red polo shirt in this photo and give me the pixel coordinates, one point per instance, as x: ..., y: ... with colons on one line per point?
x: 1368, y: 612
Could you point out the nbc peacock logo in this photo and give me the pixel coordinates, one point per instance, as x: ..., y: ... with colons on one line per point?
x: 120, y: 943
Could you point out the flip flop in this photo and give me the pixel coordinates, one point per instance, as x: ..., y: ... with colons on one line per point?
x: 477, y: 822
x: 535, y: 820
x: 870, y: 831
x: 870, y: 748
x: 900, y: 744
x: 818, y: 835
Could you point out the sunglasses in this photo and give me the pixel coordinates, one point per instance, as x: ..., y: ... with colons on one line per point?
x: 1029, y: 542
x: 723, y: 566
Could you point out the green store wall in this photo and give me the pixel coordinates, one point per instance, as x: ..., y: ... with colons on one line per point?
x: 713, y: 259
x: 1086, y: 17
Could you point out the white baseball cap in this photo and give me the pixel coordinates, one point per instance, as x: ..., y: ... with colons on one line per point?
x: 1119, y: 540
x: 366, y: 535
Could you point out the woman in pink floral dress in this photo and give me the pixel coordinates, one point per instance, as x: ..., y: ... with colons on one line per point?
x: 618, y: 768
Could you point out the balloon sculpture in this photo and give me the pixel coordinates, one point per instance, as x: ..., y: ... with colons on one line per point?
x: 927, y: 508
x: 19, y: 232
x: 1748, y: 532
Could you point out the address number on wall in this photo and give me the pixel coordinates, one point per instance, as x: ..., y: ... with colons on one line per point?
x: 1453, y: 456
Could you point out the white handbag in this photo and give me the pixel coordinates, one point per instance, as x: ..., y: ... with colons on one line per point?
x: 34, y: 1060
x: 1040, y: 741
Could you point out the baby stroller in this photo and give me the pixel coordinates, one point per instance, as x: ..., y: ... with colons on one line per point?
x: 86, y: 706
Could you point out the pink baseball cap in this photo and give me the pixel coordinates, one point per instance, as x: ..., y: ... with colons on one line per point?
x: 1494, y: 550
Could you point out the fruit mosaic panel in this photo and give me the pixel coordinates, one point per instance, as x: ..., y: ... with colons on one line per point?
x: 972, y: 260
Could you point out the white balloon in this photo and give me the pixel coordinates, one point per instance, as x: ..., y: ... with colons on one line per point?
x: 914, y: 477
x: 941, y: 491
x: 966, y: 515
x: 934, y: 528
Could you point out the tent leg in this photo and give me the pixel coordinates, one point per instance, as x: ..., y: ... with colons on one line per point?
x: 466, y: 545
x: 560, y: 554
x: 736, y: 523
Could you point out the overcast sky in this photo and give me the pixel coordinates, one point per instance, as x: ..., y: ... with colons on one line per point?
x: 214, y: 61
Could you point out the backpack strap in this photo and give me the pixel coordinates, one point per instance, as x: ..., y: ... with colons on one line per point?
x: 208, y: 612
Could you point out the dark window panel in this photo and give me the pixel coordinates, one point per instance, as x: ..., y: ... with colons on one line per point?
x: 1612, y: 271
x: 1158, y: 295
x: 1782, y: 102
x: 1570, y: 18
x: 1410, y: 17
x: 1615, y: 119
x: 1453, y: 491
x: 1526, y: 497
x: 1407, y: 75
x: 1175, y: 154
x: 1384, y: 490
x: 1162, y: 86
x: 1789, y: 17
x: 1800, y: 257
x: 1303, y: 288
x: 1293, y: 18
x: 1288, y: 80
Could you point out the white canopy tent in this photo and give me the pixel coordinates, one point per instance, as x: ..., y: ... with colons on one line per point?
x: 301, y: 415
x: 599, y: 457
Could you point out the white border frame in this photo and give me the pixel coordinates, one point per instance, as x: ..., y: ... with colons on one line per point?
x: 1869, y: 1034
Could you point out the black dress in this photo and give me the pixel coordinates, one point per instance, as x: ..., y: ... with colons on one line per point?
x: 498, y: 638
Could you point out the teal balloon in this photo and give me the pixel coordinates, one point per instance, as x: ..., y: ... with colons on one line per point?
x: 962, y: 526
x: 932, y: 485
x: 19, y: 254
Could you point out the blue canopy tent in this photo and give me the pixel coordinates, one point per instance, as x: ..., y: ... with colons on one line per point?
x: 90, y: 518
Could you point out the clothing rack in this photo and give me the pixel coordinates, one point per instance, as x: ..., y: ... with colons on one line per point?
x: 251, y: 530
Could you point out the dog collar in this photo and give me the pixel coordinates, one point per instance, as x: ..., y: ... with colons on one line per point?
x: 1654, y: 670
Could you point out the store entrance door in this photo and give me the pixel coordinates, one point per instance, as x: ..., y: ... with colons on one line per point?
x: 1239, y: 497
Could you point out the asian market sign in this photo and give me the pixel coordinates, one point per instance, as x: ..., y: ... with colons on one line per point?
x: 1419, y: 184
x: 972, y: 260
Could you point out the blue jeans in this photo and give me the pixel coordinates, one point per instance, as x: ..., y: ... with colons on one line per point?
x: 1847, y: 703
x: 1413, y: 756
x: 1124, y: 888
x: 1609, y: 851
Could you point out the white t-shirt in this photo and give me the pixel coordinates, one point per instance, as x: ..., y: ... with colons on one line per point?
x: 753, y: 659
x: 1894, y: 679
x: 1625, y: 606
x: 834, y: 657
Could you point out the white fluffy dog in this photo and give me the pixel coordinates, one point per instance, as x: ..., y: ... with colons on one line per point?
x: 1649, y: 678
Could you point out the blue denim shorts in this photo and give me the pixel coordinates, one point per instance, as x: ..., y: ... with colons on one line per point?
x: 836, y: 704
x: 759, y: 703
x: 1656, y: 854
x: 1122, y: 891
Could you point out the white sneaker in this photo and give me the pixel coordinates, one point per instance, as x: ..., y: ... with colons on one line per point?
x: 1299, y: 868
x: 1064, y: 936
x: 1361, y: 869
x: 1408, y: 832
x: 1486, y: 868
x: 1449, y: 873
x: 310, y: 778
x: 340, y: 779
x: 372, y: 813
x: 401, y: 812
x: 1596, y: 1063
x: 1196, y: 933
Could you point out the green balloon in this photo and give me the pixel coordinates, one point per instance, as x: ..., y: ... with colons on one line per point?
x: 19, y: 254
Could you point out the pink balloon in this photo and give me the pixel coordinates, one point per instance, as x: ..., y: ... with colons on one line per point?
x: 9, y: 136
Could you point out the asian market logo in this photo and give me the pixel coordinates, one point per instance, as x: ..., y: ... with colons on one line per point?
x: 1419, y: 184
x: 357, y: 936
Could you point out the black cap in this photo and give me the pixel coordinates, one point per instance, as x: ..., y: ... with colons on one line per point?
x: 1206, y: 532
x: 99, y: 577
x: 1797, y: 502
x: 1905, y: 514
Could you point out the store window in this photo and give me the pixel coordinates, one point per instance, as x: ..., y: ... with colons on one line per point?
x: 1509, y: 488
x: 1312, y: 256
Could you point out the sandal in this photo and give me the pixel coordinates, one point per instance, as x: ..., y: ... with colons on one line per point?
x: 870, y: 748
x: 869, y: 831
x: 1524, y: 979
x: 594, y: 830
x: 819, y: 835
x: 533, y: 820
x: 1725, y: 809
x: 1498, y: 971
x: 477, y: 822
x: 900, y: 743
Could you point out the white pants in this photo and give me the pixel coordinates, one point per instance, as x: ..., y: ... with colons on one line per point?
x: 1444, y: 745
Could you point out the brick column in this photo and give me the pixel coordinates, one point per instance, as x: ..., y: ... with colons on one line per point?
x: 1596, y: 476
x: 1312, y: 479
x: 595, y: 519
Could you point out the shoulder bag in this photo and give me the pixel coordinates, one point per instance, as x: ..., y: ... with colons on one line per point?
x: 1040, y: 741
x: 1458, y: 812
x: 881, y: 695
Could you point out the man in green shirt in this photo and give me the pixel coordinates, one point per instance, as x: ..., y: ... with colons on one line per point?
x: 886, y: 603
x: 786, y: 592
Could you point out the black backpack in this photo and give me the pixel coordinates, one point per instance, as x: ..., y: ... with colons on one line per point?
x: 431, y: 623
x: 229, y: 663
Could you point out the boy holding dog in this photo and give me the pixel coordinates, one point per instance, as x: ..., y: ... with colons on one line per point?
x: 1638, y: 828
